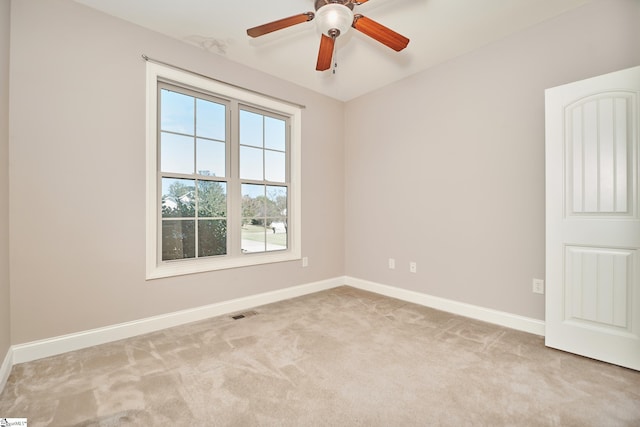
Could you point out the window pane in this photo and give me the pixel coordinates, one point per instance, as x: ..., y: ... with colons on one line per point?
x: 253, y: 237
x: 277, y: 234
x: 251, y: 129
x: 178, y: 239
x: 176, y: 153
x: 274, y: 166
x: 211, y: 120
x: 276, y: 201
x: 277, y: 211
x: 212, y: 237
x: 178, y: 198
x: 210, y: 159
x: 176, y: 112
x: 264, y: 218
x: 251, y: 163
x: 253, y: 218
x: 253, y: 201
x: 212, y: 199
x: 253, y: 190
x: 274, y: 134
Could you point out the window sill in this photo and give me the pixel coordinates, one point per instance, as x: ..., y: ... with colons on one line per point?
x: 183, y: 267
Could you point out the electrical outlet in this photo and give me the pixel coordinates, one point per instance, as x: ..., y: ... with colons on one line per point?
x: 538, y: 286
x: 305, y: 261
x: 392, y: 263
x: 413, y: 267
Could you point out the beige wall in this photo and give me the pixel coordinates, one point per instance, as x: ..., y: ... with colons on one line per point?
x: 446, y: 168
x: 78, y: 179
x: 5, y: 330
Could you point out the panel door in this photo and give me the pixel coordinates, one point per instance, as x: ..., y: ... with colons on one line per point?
x: 592, y: 218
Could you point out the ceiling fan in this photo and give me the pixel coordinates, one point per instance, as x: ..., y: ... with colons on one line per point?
x: 334, y: 17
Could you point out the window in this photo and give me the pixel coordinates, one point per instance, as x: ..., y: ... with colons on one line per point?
x: 222, y: 176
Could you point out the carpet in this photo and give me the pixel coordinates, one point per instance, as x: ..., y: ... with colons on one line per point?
x: 342, y: 357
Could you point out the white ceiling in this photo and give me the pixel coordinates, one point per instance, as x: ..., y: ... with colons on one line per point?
x: 438, y: 29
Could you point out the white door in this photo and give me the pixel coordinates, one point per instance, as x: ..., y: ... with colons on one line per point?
x: 593, y: 218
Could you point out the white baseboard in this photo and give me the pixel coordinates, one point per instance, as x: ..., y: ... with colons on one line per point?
x: 5, y: 368
x: 62, y: 344
x: 501, y: 318
x: 21, y: 353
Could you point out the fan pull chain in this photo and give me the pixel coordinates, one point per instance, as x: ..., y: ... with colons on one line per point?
x: 335, y: 61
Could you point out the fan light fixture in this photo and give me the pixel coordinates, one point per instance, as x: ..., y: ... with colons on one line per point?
x: 334, y: 19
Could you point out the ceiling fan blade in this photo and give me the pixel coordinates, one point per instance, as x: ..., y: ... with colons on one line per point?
x: 379, y: 32
x: 261, y: 30
x: 325, y: 54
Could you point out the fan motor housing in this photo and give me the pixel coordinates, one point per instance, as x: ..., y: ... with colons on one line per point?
x: 347, y: 3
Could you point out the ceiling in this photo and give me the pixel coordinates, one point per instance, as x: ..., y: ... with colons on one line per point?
x: 439, y: 30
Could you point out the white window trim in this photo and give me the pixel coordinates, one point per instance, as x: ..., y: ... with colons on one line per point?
x: 156, y: 268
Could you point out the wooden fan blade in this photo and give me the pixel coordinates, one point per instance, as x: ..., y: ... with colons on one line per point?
x: 380, y: 33
x: 261, y: 30
x: 325, y: 54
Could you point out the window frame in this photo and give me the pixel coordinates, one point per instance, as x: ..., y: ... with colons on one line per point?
x: 155, y: 267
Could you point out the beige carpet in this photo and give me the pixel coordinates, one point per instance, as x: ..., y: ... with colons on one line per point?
x: 342, y: 357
